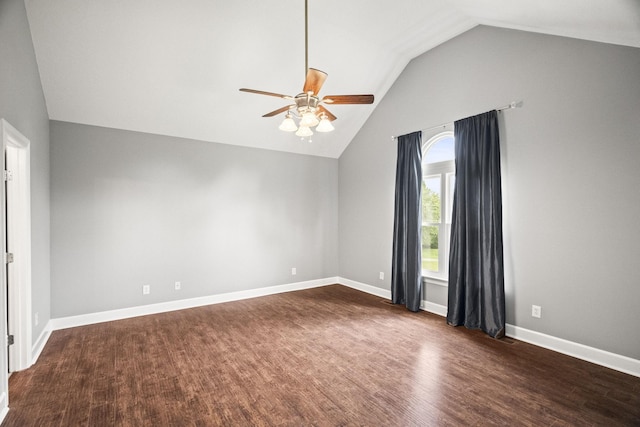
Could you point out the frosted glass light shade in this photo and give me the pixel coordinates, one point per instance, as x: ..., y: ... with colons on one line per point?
x: 304, y: 131
x: 325, y: 125
x: 288, y: 125
x: 308, y: 120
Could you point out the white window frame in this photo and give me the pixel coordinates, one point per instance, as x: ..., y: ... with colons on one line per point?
x: 445, y: 170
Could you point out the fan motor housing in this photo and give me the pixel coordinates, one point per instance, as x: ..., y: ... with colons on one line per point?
x: 306, y: 102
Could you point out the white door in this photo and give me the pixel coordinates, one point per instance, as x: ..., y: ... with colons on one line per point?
x: 11, y: 235
x: 16, y: 240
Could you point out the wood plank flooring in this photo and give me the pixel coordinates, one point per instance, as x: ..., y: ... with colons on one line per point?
x: 329, y: 356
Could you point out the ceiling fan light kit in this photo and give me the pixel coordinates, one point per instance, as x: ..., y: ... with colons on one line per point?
x: 325, y: 124
x: 304, y: 131
x: 288, y: 125
x: 307, y: 106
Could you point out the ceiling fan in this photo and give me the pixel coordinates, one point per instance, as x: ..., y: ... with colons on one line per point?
x: 307, y: 105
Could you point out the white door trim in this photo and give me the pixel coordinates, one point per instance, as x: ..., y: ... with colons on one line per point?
x: 20, y: 354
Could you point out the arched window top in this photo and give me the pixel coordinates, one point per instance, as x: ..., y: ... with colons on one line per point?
x: 440, y: 148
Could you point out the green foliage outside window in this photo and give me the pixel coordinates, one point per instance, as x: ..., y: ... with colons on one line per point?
x: 430, y: 214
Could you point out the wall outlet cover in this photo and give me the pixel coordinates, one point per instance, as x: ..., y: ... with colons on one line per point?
x: 536, y: 311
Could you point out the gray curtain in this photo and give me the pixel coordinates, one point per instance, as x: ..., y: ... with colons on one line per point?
x: 476, y: 271
x: 406, y: 280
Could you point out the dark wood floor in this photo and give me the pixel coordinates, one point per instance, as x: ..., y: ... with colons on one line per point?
x: 329, y: 356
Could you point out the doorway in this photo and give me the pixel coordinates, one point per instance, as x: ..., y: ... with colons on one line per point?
x: 16, y: 237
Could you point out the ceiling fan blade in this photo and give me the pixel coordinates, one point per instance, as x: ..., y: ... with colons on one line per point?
x: 278, y: 111
x: 330, y: 116
x: 315, y: 80
x: 348, y: 99
x: 261, y: 92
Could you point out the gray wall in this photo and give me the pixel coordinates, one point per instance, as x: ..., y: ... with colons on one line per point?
x: 571, y: 174
x: 132, y: 209
x: 22, y: 104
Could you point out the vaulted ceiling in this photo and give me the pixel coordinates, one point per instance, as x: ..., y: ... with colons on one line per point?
x: 174, y: 67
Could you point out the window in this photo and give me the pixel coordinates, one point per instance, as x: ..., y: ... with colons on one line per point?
x: 438, y: 180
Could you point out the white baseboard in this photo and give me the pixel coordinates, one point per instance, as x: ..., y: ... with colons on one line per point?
x: 590, y: 354
x: 38, y: 346
x: 432, y: 307
x: 125, y: 313
x: 580, y: 351
x: 4, y: 406
x: 383, y: 293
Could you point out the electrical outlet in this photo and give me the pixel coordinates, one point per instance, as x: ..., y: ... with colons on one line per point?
x: 293, y: 271
x: 146, y: 290
x: 536, y: 311
x: 381, y: 275
x: 36, y: 319
x: 178, y: 286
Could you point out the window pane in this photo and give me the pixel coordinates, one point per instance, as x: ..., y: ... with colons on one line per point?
x: 451, y: 185
x: 431, y: 199
x: 441, y: 150
x: 438, y: 167
x: 430, y: 248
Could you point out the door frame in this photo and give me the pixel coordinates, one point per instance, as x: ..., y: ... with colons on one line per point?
x: 19, y: 280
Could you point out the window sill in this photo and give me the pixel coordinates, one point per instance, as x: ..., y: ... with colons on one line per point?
x: 435, y: 281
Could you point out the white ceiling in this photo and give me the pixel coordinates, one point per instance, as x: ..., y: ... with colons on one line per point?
x: 174, y: 67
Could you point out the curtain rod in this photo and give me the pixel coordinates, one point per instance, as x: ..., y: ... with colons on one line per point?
x: 513, y: 104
